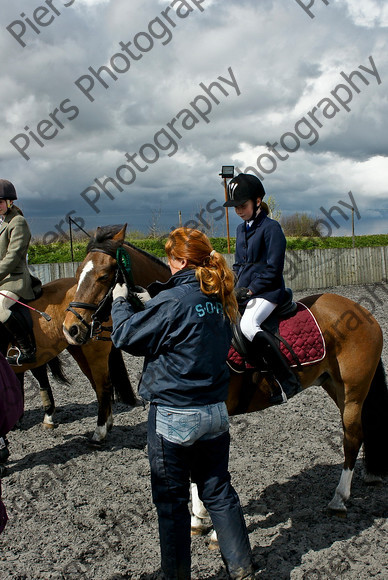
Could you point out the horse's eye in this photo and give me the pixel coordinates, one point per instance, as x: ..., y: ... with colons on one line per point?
x: 103, y: 278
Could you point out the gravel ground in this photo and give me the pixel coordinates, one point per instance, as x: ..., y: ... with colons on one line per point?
x: 80, y: 513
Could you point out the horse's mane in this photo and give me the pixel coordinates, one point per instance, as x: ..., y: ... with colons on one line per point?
x: 150, y: 256
x: 103, y: 240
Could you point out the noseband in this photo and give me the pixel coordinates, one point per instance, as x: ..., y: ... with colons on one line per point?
x: 100, y: 315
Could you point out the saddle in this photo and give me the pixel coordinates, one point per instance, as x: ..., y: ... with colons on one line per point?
x: 241, y: 344
x: 296, y: 331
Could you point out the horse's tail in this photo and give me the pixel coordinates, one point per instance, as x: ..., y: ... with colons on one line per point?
x: 119, y: 378
x: 375, y: 424
x: 56, y: 368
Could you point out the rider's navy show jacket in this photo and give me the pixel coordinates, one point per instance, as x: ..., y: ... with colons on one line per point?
x: 260, y: 253
x: 184, y: 336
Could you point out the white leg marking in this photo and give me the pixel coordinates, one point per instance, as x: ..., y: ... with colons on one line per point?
x: 213, y: 542
x: 342, y: 493
x: 99, y: 433
x: 199, y: 509
x: 48, y: 422
x: 200, y: 521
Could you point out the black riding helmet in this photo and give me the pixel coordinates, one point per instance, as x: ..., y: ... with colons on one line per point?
x: 242, y: 188
x: 7, y: 190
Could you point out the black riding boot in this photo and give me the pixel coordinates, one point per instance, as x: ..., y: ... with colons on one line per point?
x: 4, y: 451
x: 25, y: 349
x: 265, y: 346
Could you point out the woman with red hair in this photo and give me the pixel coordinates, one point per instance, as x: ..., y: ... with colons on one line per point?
x: 184, y: 334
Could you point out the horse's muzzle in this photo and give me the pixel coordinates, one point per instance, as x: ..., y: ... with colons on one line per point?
x: 75, y: 334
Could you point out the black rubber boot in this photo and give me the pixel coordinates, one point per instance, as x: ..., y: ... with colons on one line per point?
x: 4, y: 451
x: 25, y: 350
x: 264, y: 345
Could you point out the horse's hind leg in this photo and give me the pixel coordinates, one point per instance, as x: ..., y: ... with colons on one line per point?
x: 352, y: 441
x: 93, y: 360
x: 349, y: 400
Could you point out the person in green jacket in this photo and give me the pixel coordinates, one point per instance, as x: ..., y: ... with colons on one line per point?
x: 15, y: 278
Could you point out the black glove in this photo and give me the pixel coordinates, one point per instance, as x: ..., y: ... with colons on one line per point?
x: 242, y: 294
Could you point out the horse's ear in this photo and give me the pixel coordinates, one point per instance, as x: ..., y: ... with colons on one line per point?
x: 120, y: 236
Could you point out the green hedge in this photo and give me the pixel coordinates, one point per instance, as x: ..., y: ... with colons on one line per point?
x: 60, y: 251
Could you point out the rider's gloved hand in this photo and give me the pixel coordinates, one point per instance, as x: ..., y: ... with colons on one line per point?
x: 142, y: 294
x: 242, y: 294
x: 120, y: 291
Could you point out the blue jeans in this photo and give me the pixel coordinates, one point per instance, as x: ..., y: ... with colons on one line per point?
x: 194, y: 444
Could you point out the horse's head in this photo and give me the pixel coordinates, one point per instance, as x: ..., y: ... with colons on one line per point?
x: 96, y: 276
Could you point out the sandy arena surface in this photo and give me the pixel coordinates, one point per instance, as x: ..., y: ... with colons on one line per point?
x: 80, y: 513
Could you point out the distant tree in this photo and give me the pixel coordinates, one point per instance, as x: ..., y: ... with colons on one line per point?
x: 300, y: 225
x: 206, y: 222
x: 135, y: 235
x: 273, y: 206
x: 154, y: 230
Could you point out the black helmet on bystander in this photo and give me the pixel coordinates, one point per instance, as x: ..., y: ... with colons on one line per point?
x: 7, y: 190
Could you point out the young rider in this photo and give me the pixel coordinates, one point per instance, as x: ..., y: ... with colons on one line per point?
x: 260, y: 253
x: 15, y: 278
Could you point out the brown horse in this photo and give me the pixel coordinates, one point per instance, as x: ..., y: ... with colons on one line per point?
x: 102, y: 364
x: 351, y: 371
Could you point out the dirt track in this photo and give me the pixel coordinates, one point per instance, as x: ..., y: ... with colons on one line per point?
x: 76, y: 512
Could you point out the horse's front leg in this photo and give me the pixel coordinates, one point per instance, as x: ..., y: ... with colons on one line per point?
x: 105, y: 416
x: 93, y: 360
x: 200, y: 520
x: 46, y: 395
x: 342, y: 493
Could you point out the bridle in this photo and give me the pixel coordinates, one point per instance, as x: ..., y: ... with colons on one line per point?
x: 101, y: 310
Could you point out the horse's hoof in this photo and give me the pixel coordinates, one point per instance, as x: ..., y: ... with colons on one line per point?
x: 337, y: 512
x: 94, y: 443
x: 213, y: 545
x: 48, y: 425
x: 200, y: 526
x: 199, y: 530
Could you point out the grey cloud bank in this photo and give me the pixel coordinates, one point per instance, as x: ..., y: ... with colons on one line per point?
x: 159, y: 28
x: 326, y: 108
x: 285, y: 62
x: 164, y: 140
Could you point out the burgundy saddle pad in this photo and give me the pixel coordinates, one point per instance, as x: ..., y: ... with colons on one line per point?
x: 302, y: 333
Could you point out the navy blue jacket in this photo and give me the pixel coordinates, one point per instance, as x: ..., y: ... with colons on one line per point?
x: 260, y: 254
x: 184, y: 337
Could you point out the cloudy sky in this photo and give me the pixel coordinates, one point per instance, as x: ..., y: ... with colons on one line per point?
x: 187, y: 87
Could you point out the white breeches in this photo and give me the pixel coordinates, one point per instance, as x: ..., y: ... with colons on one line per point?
x: 5, y: 304
x: 256, y: 311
